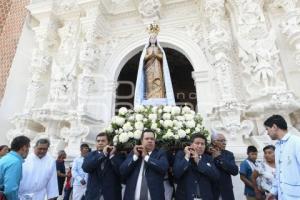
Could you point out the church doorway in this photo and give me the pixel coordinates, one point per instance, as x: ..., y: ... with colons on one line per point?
x: 181, y: 76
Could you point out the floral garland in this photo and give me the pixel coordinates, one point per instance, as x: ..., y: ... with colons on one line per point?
x: 173, y: 125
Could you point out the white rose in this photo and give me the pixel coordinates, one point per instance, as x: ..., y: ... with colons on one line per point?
x: 109, y: 129
x: 131, y: 118
x: 188, y: 131
x: 157, y: 130
x: 123, y: 137
x: 116, y: 139
x: 139, y: 117
x: 197, y: 129
x: 127, y: 127
x: 168, y: 123
x: 137, y: 134
x: 186, y: 109
x: 180, y: 118
x: 145, y: 120
x: 123, y: 111
x: 130, y: 134
x: 190, y: 124
x: 168, y: 135
x: 181, y: 133
x: 139, y: 126
x: 154, y: 109
x: 154, y: 126
x: 153, y: 117
x: 175, y: 110
x: 166, y: 116
x: 160, y: 110
x: 121, y: 130
x: 188, y: 117
x: 139, y: 108
x: 179, y: 124
x: 161, y: 121
x: 120, y: 121
x: 167, y: 109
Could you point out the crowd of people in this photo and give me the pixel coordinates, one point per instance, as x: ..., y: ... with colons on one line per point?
x: 200, y: 171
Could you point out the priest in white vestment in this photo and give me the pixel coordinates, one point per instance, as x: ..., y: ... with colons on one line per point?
x: 39, y: 178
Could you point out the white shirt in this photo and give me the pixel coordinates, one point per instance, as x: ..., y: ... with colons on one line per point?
x: 39, y: 178
x: 139, y: 180
x: 77, y: 171
x: 287, y: 161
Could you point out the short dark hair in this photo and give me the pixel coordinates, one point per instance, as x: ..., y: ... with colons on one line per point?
x: 278, y: 120
x: 251, y: 149
x: 269, y: 147
x: 147, y: 130
x: 19, y: 142
x: 103, y: 134
x: 3, y: 146
x: 42, y: 141
x: 84, y: 145
x: 198, y: 135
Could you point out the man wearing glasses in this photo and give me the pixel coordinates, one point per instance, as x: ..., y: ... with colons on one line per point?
x: 225, y: 162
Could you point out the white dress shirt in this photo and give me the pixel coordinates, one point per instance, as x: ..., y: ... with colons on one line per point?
x: 139, y: 180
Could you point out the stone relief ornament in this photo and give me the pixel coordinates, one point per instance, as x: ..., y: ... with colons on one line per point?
x: 89, y: 57
x: 261, y: 60
x: 215, y: 9
x: 287, y: 5
x: 290, y: 27
x: 150, y: 9
x: 250, y: 12
x: 226, y: 118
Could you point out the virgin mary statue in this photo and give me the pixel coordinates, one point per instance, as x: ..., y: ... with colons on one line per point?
x: 153, y: 85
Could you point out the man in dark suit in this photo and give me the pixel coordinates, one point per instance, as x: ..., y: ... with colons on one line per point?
x: 144, y: 170
x: 225, y: 162
x: 194, y: 171
x: 102, y: 166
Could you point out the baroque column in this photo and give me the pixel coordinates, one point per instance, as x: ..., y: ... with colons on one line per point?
x: 46, y: 39
x: 46, y: 42
x: 226, y: 115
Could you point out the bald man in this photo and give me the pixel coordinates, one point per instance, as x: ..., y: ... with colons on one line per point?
x: 225, y: 163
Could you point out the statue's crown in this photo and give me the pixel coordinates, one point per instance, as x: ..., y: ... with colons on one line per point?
x: 153, y: 28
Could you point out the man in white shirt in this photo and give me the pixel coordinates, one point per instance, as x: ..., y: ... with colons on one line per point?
x: 39, y: 178
x: 80, y: 177
x: 287, y: 160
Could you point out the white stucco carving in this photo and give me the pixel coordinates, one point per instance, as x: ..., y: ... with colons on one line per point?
x: 231, y: 45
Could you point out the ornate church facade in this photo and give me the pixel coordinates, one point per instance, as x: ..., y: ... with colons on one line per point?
x: 244, y: 59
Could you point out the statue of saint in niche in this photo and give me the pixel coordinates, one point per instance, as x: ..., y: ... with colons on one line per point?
x: 155, y: 87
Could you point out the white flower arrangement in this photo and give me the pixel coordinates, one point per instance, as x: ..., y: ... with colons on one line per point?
x: 173, y: 125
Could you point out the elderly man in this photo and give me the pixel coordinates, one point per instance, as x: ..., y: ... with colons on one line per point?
x: 11, y: 167
x: 39, y: 177
x: 287, y: 160
x: 195, y: 171
x: 144, y: 170
x: 225, y: 163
